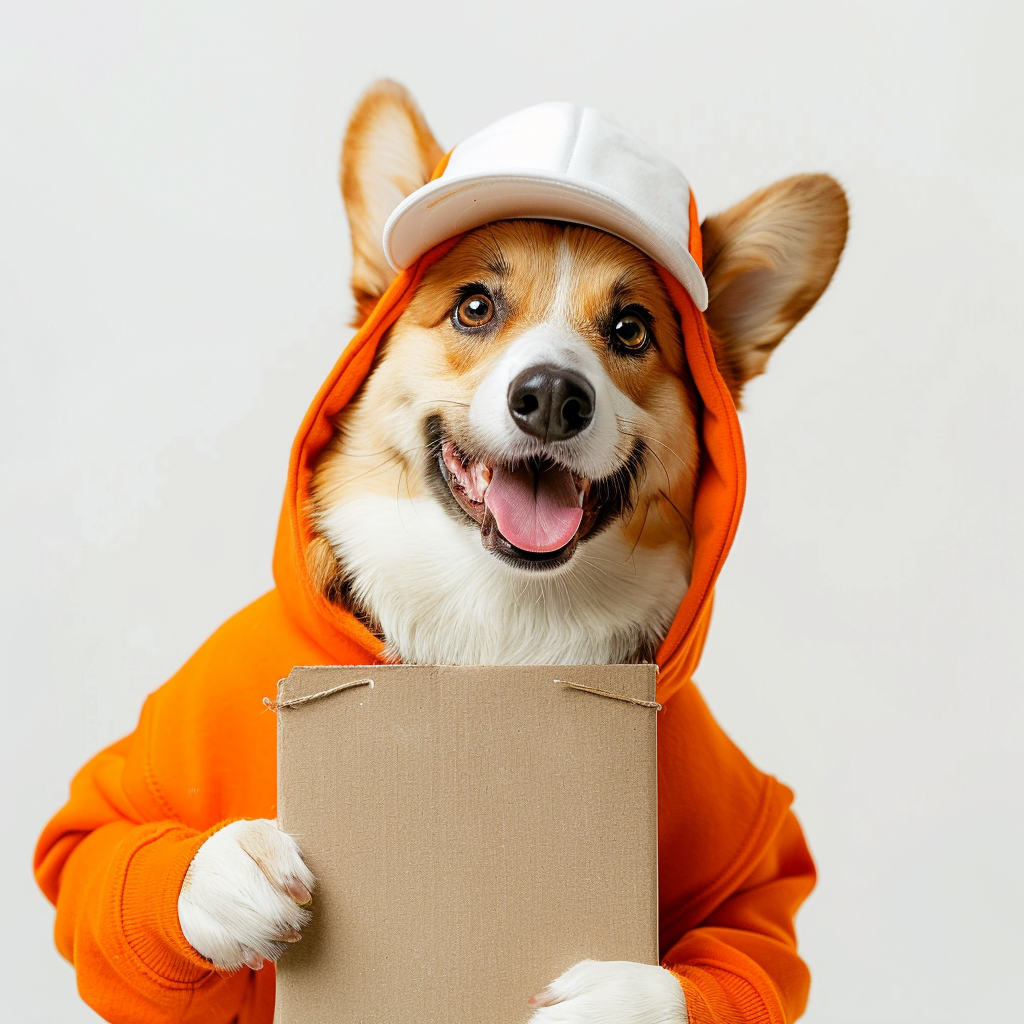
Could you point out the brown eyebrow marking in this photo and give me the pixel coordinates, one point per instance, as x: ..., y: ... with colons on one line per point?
x: 494, y: 261
x: 627, y: 282
x: 490, y: 255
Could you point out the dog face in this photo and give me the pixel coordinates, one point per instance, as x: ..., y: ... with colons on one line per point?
x: 565, y: 354
x: 538, y: 367
x: 515, y: 481
x: 538, y: 429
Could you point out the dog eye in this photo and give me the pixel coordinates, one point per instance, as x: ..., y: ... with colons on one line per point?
x: 630, y: 332
x: 474, y: 311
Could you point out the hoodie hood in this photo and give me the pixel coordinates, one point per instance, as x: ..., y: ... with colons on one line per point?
x: 719, y: 496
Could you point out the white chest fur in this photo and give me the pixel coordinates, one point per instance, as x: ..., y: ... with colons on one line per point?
x: 440, y: 598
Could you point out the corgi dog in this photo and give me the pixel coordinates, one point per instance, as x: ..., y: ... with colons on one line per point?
x: 515, y: 481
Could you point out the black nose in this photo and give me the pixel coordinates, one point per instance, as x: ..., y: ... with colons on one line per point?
x: 550, y: 402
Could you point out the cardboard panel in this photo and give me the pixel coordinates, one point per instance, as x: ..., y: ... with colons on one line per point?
x: 474, y: 832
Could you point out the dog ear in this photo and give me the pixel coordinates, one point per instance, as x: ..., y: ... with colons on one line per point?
x: 767, y: 260
x: 388, y: 153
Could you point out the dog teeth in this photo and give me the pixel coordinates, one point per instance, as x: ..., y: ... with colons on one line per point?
x: 452, y: 461
x: 480, y: 477
x: 472, y: 479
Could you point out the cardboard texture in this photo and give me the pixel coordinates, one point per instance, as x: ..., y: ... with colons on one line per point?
x: 474, y: 832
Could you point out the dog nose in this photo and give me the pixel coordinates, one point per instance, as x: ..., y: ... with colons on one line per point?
x: 551, y: 402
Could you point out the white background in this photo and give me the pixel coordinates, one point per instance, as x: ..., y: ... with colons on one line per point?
x: 173, y: 289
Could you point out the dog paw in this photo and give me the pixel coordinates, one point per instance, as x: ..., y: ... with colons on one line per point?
x: 611, y: 992
x: 242, y: 899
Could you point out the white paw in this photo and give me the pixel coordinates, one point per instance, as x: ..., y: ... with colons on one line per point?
x: 239, y: 903
x: 611, y: 992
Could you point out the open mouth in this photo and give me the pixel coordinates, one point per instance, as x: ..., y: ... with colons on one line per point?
x: 532, y: 513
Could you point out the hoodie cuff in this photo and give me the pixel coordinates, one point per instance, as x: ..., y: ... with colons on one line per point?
x: 716, y: 996
x: 153, y: 878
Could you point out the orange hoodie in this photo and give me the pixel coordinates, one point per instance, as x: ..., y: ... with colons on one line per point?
x: 733, y: 866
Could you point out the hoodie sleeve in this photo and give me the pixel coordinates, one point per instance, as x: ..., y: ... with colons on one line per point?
x: 112, y: 861
x: 740, y: 965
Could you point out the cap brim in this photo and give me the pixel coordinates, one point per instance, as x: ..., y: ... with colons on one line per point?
x: 447, y: 207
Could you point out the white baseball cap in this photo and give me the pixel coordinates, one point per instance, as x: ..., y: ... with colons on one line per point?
x: 554, y: 161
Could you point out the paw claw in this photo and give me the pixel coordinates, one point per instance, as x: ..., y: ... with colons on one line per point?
x: 252, y: 959
x: 299, y: 893
x: 543, y: 998
x: 245, y: 895
x: 628, y: 993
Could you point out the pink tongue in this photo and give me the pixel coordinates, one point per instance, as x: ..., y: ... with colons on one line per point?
x: 534, y: 512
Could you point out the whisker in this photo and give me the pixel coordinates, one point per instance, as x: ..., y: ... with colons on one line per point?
x: 585, y: 560
x: 636, y: 432
x: 408, y: 493
x: 584, y: 572
x: 395, y: 456
x: 682, y: 518
x: 643, y: 526
x: 373, y: 469
x: 565, y: 589
x: 668, y: 479
x: 444, y: 401
x: 398, y: 498
x: 519, y: 593
x: 601, y: 558
x: 372, y: 455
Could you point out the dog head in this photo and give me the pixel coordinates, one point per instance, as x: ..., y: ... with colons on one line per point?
x: 526, y: 447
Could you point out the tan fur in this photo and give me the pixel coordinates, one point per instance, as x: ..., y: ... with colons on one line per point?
x: 767, y: 260
x: 427, y: 367
x: 389, y: 152
x: 324, y: 568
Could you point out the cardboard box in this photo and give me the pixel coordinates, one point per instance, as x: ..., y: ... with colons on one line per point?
x: 474, y: 832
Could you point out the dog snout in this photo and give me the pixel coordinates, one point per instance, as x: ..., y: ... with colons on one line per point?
x: 550, y: 402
